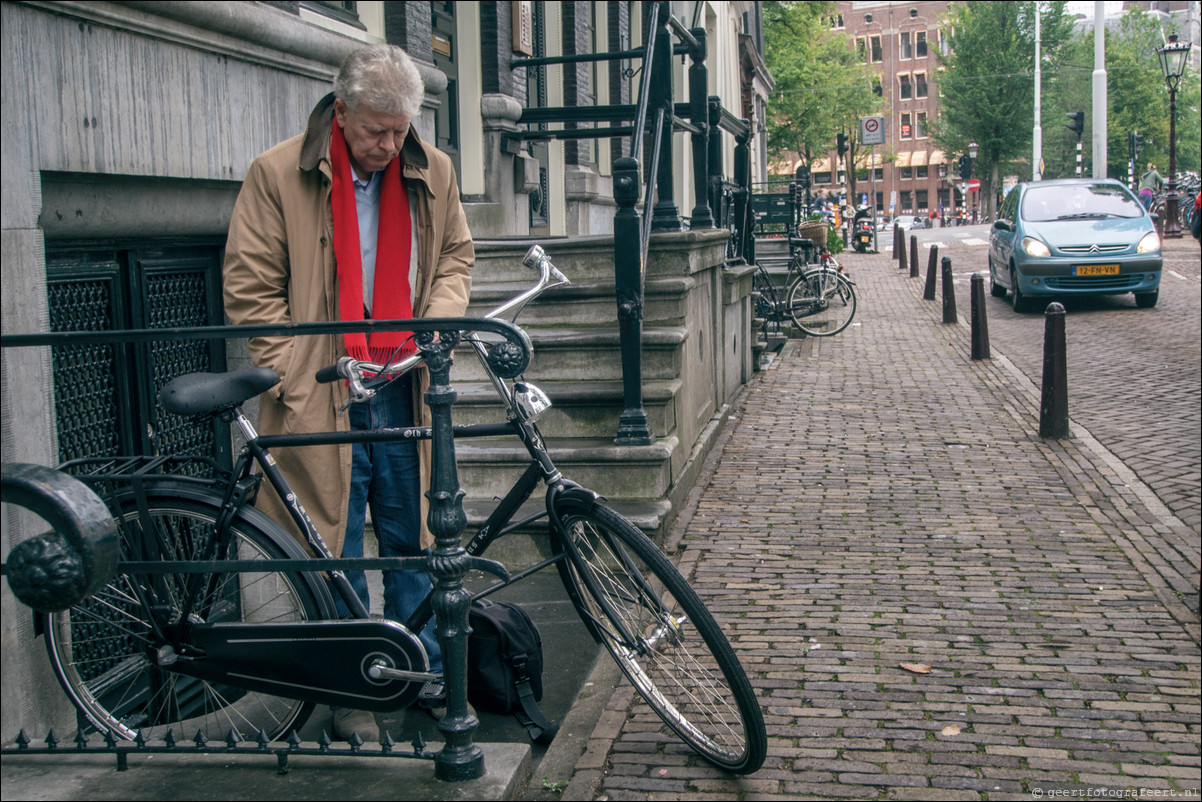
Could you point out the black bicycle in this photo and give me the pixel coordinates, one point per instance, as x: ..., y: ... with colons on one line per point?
x: 254, y: 648
x: 815, y: 295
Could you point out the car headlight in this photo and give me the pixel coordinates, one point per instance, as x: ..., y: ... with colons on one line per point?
x: 1150, y: 242
x: 1034, y: 247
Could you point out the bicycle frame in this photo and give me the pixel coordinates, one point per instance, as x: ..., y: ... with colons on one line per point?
x: 541, y: 470
x: 523, y: 403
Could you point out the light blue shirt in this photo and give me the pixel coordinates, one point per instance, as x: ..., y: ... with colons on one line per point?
x: 367, y: 204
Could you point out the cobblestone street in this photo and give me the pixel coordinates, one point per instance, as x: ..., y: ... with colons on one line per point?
x: 932, y: 601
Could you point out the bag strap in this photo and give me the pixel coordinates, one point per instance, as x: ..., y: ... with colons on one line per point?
x: 531, y: 716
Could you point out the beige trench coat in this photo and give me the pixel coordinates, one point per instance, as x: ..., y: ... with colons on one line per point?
x: 279, y: 268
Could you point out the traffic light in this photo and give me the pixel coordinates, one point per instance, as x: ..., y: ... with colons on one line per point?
x: 1076, y: 122
x: 841, y: 141
x: 803, y: 176
x: 965, y: 166
x: 1134, y: 143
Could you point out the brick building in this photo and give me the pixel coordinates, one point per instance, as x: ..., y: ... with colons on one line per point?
x: 899, y: 40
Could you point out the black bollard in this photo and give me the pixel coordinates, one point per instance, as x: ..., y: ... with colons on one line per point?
x: 949, y: 292
x: 928, y: 292
x: 901, y: 250
x: 1053, y: 405
x: 896, y: 241
x: 980, y: 326
x: 913, y: 256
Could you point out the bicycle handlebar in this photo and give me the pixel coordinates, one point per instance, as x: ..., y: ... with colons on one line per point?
x: 507, y: 360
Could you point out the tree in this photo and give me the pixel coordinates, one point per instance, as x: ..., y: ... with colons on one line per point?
x: 822, y: 89
x: 1137, y: 99
x: 988, y: 82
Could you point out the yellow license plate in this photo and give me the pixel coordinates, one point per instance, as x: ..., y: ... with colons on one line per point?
x: 1096, y: 270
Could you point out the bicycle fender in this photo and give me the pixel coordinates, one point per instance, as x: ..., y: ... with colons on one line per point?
x: 58, y: 569
x: 573, y: 492
x: 289, y: 545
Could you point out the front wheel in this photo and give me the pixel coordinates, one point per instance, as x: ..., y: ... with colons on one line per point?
x: 106, y: 651
x: 822, y: 303
x: 1020, y: 302
x: 635, y: 602
x: 1147, y: 300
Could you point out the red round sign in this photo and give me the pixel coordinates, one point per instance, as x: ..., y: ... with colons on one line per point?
x: 973, y: 185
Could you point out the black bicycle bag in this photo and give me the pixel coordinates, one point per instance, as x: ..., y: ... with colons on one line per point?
x: 505, y: 665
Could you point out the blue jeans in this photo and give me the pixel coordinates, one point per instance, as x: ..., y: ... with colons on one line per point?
x: 1146, y: 196
x: 386, y: 477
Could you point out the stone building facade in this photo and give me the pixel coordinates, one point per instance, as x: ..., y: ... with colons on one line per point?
x: 128, y: 127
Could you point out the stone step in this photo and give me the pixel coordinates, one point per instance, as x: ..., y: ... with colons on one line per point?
x: 573, y: 354
x: 581, y: 259
x: 529, y: 545
x: 488, y: 467
x: 587, y: 409
x: 585, y: 303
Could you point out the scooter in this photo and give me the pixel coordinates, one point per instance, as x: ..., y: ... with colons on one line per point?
x: 862, y: 231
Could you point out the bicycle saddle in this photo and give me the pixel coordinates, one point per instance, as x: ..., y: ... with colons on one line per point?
x: 200, y: 393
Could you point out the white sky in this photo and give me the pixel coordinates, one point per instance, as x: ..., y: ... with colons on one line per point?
x: 1086, y: 7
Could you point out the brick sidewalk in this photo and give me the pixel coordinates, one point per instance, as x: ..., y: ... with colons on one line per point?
x: 881, y: 500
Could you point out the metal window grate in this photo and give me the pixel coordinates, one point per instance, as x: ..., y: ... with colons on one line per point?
x: 87, y: 404
x: 106, y: 396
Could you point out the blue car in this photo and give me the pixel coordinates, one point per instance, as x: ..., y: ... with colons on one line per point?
x: 1077, y: 236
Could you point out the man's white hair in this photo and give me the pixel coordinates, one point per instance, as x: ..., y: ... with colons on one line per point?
x: 382, y: 78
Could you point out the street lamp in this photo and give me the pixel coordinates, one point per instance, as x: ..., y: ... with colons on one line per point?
x: 1173, y: 57
x: 972, y: 154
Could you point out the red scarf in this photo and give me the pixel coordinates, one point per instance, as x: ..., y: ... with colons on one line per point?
x: 392, y: 295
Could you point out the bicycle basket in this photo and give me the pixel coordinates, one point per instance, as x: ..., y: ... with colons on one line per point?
x: 815, y: 230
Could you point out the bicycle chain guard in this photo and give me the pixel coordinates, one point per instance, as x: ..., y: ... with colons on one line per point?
x: 327, y: 662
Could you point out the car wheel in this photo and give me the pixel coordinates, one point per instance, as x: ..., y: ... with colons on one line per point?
x: 1020, y: 301
x: 995, y: 289
x: 1147, y: 300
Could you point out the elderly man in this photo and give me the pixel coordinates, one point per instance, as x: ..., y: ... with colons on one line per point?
x: 357, y: 217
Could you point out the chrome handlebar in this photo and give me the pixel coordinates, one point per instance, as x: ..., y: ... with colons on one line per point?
x: 354, y: 371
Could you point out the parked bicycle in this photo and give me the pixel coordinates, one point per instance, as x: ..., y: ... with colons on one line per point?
x: 255, y: 646
x: 1187, y: 188
x: 815, y: 296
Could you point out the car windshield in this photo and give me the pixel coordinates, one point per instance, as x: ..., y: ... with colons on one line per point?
x: 1078, y: 202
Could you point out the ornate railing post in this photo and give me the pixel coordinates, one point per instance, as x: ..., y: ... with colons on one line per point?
x: 714, y: 157
x: 743, y: 179
x: 702, y: 216
x: 460, y: 759
x: 795, y: 206
x: 666, y: 215
x: 633, y: 428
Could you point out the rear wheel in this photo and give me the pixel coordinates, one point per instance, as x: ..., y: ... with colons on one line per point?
x: 765, y: 296
x: 635, y: 602
x: 822, y: 303
x: 995, y: 289
x: 106, y: 650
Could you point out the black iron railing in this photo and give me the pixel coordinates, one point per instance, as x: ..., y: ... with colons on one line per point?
x: 460, y: 758
x: 656, y: 115
x: 230, y: 744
